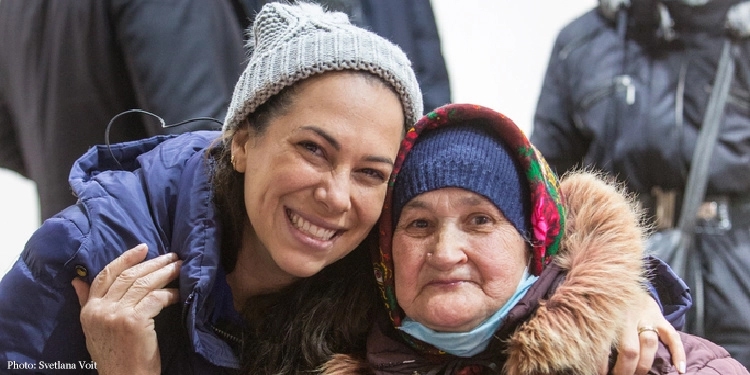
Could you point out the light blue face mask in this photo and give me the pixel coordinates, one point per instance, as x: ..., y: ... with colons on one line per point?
x: 467, y: 344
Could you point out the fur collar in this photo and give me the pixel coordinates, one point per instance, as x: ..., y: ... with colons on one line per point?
x: 603, y: 254
x: 578, y: 325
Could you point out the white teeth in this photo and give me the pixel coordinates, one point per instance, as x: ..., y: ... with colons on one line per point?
x: 310, y: 229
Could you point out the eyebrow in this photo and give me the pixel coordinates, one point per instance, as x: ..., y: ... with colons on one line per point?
x: 329, y: 138
x: 471, y: 200
x: 337, y: 146
x: 415, y: 203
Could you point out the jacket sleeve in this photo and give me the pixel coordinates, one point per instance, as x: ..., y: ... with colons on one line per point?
x: 704, y: 357
x: 39, y: 310
x: 669, y: 291
x: 183, y: 57
x: 554, y: 132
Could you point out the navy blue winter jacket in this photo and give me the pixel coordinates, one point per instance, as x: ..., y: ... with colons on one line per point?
x: 162, y: 197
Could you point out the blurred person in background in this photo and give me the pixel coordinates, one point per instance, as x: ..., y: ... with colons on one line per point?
x: 68, y: 67
x: 626, y: 89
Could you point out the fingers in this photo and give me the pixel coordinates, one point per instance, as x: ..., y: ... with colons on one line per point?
x: 128, y: 280
x: 139, y: 278
x: 155, y: 301
x: 101, y: 284
x: 603, y: 367
x: 637, y: 350
x: 118, y: 309
x: 673, y: 341
x: 649, y: 342
x: 136, y: 280
x: 149, y: 279
x: 82, y: 290
x: 628, y: 353
x: 639, y: 340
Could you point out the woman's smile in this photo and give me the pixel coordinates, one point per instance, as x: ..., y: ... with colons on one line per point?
x: 319, y: 231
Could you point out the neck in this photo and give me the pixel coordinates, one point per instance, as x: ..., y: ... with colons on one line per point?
x: 255, y: 272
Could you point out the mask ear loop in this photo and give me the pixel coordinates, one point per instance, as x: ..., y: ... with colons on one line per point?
x: 161, y: 121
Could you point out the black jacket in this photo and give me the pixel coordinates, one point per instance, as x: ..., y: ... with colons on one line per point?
x: 68, y: 66
x: 631, y: 103
x: 626, y: 93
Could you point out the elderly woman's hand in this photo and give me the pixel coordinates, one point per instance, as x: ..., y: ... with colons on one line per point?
x: 118, y: 310
x: 638, y: 344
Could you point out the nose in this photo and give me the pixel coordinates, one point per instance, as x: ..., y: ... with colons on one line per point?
x: 448, y: 249
x: 335, y: 193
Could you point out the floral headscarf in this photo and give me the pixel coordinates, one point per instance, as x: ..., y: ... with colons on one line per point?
x: 547, y: 210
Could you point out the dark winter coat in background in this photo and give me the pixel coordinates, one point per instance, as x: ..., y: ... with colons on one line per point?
x: 67, y: 67
x: 625, y: 92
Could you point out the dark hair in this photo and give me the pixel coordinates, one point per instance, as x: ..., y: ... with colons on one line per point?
x: 298, y: 329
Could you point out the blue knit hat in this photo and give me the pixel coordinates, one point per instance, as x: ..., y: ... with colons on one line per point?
x: 467, y: 157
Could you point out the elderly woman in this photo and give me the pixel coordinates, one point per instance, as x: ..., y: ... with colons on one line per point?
x: 487, y: 265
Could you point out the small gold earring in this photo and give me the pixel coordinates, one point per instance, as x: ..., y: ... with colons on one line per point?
x: 232, y: 160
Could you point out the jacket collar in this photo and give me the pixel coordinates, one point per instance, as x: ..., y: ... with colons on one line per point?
x: 165, y: 181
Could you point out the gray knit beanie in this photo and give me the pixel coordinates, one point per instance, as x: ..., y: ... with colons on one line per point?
x: 289, y: 43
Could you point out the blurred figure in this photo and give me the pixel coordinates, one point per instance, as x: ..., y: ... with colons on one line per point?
x: 68, y: 66
x: 626, y: 91
x: 410, y: 25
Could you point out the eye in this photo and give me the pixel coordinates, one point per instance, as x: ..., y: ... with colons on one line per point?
x: 414, y: 226
x: 312, y: 147
x: 418, y: 228
x: 481, y: 220
x: 418, y: 224
x: 374, y: 174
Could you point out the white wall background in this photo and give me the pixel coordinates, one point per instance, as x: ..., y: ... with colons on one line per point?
x: 496, y: 52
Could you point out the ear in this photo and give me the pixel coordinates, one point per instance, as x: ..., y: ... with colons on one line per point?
x: 239, y: 150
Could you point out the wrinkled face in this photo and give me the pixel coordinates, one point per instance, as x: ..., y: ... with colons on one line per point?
x: 457, y: 260
x: 315, y: 179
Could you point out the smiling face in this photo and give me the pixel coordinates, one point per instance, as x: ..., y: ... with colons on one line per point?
x: 456, y: 259
x: 315, y: 178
